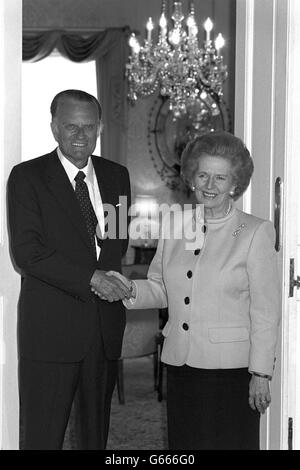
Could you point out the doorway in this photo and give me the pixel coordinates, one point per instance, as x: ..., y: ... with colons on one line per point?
x: 267, y: 116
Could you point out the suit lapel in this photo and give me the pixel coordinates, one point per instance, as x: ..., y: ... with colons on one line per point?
x: 106, y: 185
x: 109, y: 195
x: 61, y: 188
x: 104, y: 181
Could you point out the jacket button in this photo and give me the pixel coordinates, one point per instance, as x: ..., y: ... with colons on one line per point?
x: 187, y: 300
x: 196, y: 252
x: 185, y: 326
x: 189, y: 274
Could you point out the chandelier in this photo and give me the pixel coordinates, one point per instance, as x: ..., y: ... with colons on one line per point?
x: 182, y: 70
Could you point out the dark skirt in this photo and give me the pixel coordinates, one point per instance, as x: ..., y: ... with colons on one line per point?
x: 209, y: 410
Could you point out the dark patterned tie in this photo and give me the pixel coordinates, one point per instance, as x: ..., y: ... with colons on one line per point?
x: 87, y: 210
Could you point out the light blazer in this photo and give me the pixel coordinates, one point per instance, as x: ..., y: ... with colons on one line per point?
x: 58, y: 313
x: 224, y: 301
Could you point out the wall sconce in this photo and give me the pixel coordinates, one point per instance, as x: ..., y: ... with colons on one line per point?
x: 144, y: 228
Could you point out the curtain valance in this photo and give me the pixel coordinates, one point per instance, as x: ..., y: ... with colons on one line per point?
x: 110, y: 50
x: 76, y: 47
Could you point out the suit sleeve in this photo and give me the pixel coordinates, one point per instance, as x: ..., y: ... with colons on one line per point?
x: 151, y: 292
x: 29, y: 248
x: 265, y: 303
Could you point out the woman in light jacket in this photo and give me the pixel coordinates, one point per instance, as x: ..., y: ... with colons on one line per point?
x: 222, y: 293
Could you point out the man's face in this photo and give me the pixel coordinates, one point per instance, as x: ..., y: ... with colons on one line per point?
x: 76, y: 128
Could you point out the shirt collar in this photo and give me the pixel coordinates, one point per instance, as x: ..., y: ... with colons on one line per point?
x: 72, y: 170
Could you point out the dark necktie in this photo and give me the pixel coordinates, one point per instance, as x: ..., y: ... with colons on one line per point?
x: 87, y: 210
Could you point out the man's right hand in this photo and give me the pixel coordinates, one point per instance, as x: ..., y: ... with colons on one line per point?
x: 108, y: 287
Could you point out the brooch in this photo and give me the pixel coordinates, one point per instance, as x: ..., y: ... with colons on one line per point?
x: 238, y: 230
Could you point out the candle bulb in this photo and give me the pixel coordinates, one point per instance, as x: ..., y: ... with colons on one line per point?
x: 134, y: 44
x: 132, y: 40
x: 163, y: 25
x: 219, y: 43
x: 192, y: 28
x: 208, y: 26
x: 149, y: 27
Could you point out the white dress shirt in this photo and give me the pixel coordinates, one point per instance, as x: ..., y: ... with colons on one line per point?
x: 92, y: 184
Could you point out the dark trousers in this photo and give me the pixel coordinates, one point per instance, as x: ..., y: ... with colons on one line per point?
x: 209, y: 410
x: 47, y: 391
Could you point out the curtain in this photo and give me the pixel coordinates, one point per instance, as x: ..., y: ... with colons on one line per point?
x: 110, y: 50
x: 113, y: 91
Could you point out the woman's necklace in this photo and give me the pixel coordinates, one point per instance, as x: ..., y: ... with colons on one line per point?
x: 228, y: 209
x: 225, y: 213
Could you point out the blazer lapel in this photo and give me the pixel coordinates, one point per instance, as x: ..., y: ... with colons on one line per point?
x: 105, y: 184
x: 61, y: 188
x: 103, y: 179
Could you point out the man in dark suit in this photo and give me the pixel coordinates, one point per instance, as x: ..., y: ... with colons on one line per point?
x: 69, y: 338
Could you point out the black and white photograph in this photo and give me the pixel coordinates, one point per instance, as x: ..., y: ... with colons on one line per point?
x: 149, y: 228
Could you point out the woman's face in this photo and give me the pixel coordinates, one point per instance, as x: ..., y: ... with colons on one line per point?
x: 213, y: 181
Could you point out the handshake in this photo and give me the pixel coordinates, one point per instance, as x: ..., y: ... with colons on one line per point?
x: 111, y: 286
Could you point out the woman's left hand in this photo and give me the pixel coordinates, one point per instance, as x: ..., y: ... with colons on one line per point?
x: 259, y: 393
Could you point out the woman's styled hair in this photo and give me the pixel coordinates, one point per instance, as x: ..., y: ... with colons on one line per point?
x: 219, y: 144
x: 78, y: 95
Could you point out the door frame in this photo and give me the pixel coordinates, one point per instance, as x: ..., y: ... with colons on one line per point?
x: 266, y: 64
x: 291, y: 366
x: 10, y: 144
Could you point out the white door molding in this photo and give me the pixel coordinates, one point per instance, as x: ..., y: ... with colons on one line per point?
x: 262, y: 71
x: 10, y: 144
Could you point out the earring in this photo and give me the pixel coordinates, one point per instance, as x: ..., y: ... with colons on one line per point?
x: 193, y: 188
x: 231, y: 193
